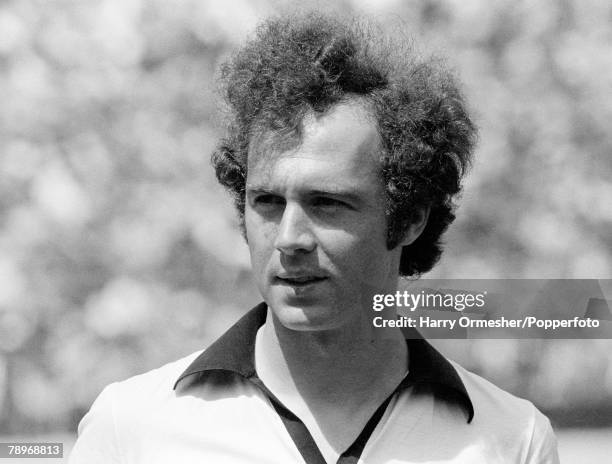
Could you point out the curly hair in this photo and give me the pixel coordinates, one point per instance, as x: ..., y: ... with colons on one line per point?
x: 311, y: 62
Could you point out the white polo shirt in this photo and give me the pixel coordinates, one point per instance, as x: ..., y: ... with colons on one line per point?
x: 211, y: 407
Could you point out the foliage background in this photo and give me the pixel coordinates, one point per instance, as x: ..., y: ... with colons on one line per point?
x: 119, y: 252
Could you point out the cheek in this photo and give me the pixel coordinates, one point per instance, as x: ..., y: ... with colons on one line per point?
x: 363, y: 255
x: 260, y: 238
x: 367, y: 235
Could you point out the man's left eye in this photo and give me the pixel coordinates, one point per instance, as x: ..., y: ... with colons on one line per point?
x: 324, y: 202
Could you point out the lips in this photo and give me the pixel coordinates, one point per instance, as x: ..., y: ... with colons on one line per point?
x: 299, y: 280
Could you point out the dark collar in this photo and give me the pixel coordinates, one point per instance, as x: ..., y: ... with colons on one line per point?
x: 234, y: 352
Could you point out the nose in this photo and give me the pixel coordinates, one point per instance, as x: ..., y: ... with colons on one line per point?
x: 294, y: 234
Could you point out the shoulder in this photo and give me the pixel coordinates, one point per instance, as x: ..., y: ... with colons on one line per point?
x: 154, y: 384
x: 101, y: 430
x: 511, y: 421
x: 488, y: 398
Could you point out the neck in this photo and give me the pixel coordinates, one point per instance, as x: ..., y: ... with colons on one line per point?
x: 335, y: 367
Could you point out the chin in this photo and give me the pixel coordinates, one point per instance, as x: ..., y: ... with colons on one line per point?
x: 306, y: 318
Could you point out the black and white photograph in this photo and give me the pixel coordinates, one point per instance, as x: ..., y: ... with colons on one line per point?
x: 264, y: 231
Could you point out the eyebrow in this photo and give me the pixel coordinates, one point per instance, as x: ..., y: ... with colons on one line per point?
x: 349, y: 195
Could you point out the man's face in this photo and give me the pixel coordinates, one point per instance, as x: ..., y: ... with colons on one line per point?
x: 316, y: 224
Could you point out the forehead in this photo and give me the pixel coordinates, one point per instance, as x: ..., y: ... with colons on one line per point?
x: 339, y: 147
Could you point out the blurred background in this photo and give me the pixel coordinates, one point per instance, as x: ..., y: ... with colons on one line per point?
x: 119, y: 252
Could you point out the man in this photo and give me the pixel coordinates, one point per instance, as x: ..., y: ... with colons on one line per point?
x: 343, y: 157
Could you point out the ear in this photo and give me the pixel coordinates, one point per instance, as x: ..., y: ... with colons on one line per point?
x: 417, y: 227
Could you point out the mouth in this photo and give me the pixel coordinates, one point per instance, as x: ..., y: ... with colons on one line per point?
x: 299, y: 281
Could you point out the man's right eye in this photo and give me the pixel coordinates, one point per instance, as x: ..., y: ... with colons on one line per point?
x: 269, y: 200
